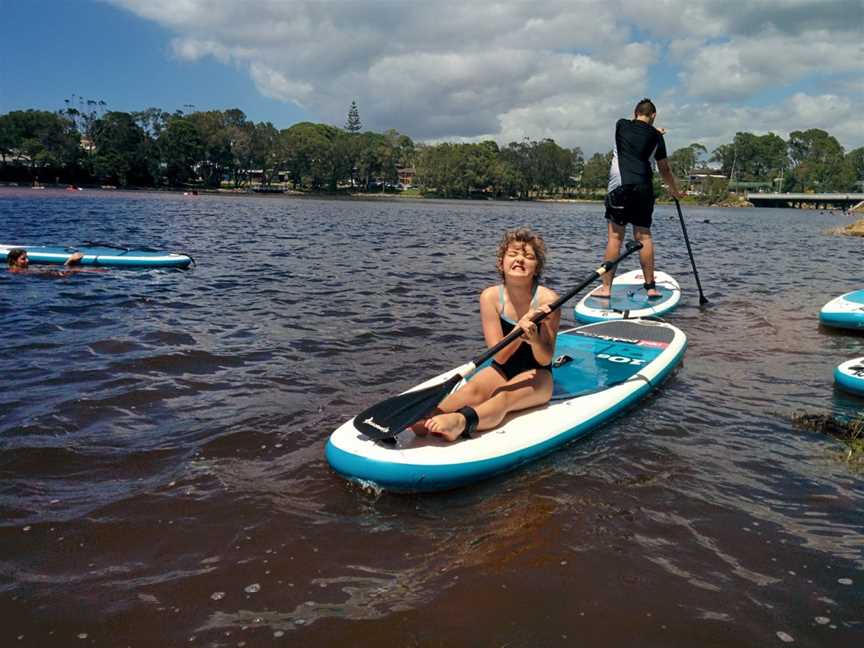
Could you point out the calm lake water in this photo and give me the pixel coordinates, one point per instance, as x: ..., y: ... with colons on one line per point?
x: 162, y: 471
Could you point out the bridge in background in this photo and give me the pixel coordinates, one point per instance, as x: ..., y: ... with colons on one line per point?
x: 822, y: 200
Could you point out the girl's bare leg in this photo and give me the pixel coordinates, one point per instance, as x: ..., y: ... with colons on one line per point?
x: 475, y: 391
x: 528, y: 389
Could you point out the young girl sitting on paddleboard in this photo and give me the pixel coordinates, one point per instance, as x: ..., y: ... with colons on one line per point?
x: 520, y: 376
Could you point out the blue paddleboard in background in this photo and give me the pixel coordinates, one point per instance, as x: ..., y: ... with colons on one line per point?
x: 629, y: 299
x: 845, y: 311
x: 850, y: 375
x: 100, y: 254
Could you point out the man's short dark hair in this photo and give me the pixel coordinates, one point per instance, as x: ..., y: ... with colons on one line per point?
x: 645, y: 107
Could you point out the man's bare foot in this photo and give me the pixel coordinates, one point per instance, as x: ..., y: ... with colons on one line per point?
x: 602, y: 293
x: 653, y: 293
x: 449, y: 425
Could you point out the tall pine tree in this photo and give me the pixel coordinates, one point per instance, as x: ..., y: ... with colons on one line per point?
x: 353, y: 124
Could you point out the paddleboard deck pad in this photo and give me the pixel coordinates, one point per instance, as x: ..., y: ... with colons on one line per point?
x: 600, y: 370
x: 850, y: 375
x: 629, y: 299
x: 101, y: 255
x: 845, y: 311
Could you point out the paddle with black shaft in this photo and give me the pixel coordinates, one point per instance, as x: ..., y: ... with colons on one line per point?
x: 388, y: 418
x: 702, y: 299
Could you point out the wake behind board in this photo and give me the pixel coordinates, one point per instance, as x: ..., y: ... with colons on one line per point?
x: 604, y: 368
x: 629, y: 299
x: 845, y: 311
x: 850, y: 375
x: 101, y: 255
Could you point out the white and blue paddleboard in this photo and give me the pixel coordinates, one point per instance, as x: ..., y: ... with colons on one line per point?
x: 845, y: 311
x: 629, y: 299
x: 850, y: 375
x: 601, y: 369
x: 100, y: 254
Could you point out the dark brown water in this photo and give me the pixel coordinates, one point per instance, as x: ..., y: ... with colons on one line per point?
x: 162, y: 472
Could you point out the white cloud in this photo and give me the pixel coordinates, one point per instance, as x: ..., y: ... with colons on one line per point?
x: 840, y: 116
x: 272, y: 83
x: 708, y: 19
x: 745, y: 66
x: 564, y: 69
x: 190, y: 49
x: 713, y: 124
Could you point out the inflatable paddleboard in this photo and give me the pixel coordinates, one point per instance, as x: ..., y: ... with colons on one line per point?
x: 601, y: 369
x: 629, y: 299
x: 101, y: 255
x: 850, y: 375
x: 845, y: 311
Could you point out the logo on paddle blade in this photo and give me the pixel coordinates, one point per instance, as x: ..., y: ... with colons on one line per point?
x: 371, y: 423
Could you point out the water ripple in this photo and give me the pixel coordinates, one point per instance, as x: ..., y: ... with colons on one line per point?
x: 162, y: 433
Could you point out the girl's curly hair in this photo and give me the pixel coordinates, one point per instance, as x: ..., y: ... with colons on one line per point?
x: 523, y: 236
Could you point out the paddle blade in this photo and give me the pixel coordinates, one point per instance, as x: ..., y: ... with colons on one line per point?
x: 388, y: 418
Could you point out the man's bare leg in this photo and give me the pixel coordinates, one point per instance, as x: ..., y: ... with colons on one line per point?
x: 613, y: 249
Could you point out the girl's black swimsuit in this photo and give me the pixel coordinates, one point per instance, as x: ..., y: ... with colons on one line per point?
x: 523, y: 357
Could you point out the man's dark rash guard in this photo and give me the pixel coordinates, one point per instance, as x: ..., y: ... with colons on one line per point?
x: 637, y: 146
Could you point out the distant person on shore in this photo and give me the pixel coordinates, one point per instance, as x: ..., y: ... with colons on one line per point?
x: 19, y: 263
x: 520, y: 376
x: 630, y: 199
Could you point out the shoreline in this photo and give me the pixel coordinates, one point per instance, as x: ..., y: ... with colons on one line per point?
x: 323, y: 195
x: 855, y: 229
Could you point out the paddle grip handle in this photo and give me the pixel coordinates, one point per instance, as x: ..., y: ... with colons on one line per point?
x: 606, y: 266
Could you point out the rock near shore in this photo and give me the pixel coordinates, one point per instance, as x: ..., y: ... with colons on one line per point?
x: 855, y: 229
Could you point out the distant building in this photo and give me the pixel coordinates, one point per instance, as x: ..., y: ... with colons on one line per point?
x: 257, y: 176
x: 87, y: 144
x: 697, y: 181
x: 697, y: 176
x: 756, y: 187
x: 16, y: 156
x: 406, y: 176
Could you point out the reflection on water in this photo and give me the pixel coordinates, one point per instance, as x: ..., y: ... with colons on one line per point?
x: 162, y: 434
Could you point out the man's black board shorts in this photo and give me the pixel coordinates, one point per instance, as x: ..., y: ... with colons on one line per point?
x: 631, y: 203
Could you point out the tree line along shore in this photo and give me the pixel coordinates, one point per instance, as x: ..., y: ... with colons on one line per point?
x: 85, y: 144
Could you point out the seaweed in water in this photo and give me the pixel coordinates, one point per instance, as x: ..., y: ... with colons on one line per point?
x: 848, y: 430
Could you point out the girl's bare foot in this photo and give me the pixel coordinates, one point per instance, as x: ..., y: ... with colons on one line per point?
x: 419, y: 428
x: 602, y: 293
x: 449, y: 425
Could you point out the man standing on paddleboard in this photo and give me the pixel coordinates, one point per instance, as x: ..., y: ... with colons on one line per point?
x: 630, y: 199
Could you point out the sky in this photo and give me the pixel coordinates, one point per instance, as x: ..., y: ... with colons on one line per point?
x: 453, y: 71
